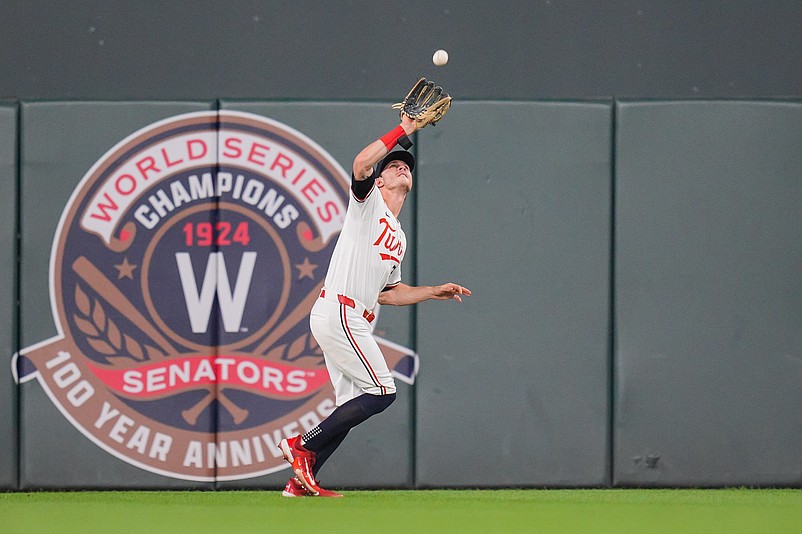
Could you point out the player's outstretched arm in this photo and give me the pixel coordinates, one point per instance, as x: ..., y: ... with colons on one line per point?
x: 371, y: 154
x: 404, y: 295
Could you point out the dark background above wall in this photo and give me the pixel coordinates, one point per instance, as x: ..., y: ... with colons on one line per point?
x: 190, y: 49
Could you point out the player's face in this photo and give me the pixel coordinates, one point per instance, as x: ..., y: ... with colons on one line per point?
x: 397, y: 174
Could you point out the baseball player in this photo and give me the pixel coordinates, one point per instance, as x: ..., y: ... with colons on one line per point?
x: 365, y: 269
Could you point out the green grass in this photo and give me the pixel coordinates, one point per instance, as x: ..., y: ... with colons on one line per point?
x: 239, y: 512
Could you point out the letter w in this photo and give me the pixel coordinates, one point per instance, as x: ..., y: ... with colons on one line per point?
x: 199, y: 303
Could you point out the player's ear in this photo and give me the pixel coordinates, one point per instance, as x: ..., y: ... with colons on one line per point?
x: 379, y: 181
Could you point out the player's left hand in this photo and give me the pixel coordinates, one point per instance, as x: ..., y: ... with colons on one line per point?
x: 426, y: 103
x: 450, y: 291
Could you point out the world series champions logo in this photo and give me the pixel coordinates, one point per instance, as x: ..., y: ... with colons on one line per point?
x: 182, y: 274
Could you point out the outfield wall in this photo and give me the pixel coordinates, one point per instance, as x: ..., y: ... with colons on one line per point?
x: 635, y: 321
x: 8, y: 311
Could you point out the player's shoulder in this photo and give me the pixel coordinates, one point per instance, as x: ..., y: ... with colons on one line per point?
x: 362, y: 190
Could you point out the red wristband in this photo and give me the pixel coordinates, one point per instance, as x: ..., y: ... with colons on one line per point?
x: 390, y: 139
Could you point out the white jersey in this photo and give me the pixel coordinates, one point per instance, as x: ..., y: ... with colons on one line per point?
x: 369, y: 251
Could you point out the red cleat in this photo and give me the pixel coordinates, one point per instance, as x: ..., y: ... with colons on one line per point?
x: 327, y: 493
x: 294, y: 488
x: 302, y: 462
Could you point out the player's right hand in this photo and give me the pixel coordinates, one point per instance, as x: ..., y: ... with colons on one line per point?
x: 450, y: 291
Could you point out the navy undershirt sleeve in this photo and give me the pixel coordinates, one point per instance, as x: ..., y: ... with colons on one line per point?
x: 361, y: 188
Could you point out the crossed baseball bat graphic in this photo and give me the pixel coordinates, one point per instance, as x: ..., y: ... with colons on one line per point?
x: 104, y: 287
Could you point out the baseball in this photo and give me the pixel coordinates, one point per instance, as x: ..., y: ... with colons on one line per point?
x: 440, y: 58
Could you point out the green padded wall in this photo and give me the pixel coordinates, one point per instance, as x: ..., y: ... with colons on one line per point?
x: 8, y: 310
x: 514, y: 203
x: 517, y: 385
x: 708, y: 293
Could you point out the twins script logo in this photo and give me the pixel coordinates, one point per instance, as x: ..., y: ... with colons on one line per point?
x: 390, y: 241
x: 181, y: 276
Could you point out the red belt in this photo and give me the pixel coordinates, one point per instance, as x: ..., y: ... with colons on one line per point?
x: 367, y: 314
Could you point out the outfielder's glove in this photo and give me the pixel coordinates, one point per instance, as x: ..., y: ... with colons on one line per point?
x: 426, y: 103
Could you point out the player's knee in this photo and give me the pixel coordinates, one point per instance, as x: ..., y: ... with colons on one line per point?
x: 388, y: 399
x: 378, y: 403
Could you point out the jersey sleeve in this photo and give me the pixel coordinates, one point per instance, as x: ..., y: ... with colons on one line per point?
x: 394, y: 280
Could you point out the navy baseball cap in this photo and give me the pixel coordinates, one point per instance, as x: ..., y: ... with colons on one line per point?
x: 402, y: 155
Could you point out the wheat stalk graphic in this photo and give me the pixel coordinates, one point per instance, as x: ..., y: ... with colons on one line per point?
x: 103, y: 334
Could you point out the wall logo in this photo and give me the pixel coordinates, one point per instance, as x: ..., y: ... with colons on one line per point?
x: 181, y: 277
